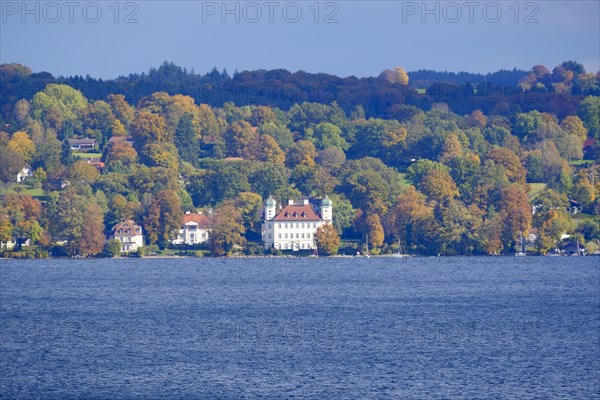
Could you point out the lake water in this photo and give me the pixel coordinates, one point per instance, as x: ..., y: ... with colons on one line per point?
x: 473, y: 328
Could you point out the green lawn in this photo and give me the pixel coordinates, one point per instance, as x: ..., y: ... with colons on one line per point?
x: 19, y: 188
x: 580, y: 163
x: 404, y: 182
x: 87, y: 155
x: 535, y: 189
x: 579, y: 218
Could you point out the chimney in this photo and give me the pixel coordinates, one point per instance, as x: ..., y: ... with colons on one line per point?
x: 290, y: 202
x: 305, y: 202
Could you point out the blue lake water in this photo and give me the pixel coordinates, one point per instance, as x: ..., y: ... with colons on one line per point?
x: 435, y: 328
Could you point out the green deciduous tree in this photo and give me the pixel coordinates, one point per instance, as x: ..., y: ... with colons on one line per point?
x: 59, y: 106
x: 326, y: 134
x: 250, y: 206
x: 589, y: 112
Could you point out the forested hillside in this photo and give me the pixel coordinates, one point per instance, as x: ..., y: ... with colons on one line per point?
x: 457, y: 168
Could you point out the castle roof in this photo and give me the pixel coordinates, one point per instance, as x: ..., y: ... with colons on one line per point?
x: 297, y: 213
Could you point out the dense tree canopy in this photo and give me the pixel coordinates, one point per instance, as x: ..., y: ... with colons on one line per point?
x: 457, y: 169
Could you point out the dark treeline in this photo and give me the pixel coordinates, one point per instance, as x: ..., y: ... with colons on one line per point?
x: 425, y: 78
x: 504, y: 92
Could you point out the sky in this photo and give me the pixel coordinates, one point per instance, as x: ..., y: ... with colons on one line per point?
x: 106, y: 39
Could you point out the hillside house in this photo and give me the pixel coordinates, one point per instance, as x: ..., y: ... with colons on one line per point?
x: 129, y: 234
x: 195, y: 229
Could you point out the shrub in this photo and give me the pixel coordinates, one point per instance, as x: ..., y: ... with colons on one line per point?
x: 112, y: 248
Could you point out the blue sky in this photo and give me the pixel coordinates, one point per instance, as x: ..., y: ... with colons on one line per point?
x: 340, y: 37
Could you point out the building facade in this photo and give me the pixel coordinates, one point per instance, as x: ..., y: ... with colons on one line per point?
x: 294, y: 226
x: 83, y: 144
x: 129, y: 234
x: 196, y: 229
x: 25, y: 173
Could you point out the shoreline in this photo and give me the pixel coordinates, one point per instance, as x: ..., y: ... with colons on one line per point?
x: 268, y: 257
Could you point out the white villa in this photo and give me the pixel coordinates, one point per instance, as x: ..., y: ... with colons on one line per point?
x: 293, y: 227
x: 195, y: 229
x: 129, y: 234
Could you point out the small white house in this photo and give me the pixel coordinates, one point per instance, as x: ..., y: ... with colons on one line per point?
x: 11, y: 244
x: 25, y: 173
x: 129, y: 234
x: 195, y: 229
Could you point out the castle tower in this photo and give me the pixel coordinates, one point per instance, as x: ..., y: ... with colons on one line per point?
x: 326, y: 209
x: 270, y: 208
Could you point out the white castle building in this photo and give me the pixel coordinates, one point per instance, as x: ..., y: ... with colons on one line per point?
x: 294, y: 226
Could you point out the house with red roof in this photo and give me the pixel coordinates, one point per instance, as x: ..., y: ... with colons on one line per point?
x: 195, y: 229
x: 294, y: 226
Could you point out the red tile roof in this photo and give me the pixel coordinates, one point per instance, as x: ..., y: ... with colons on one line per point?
x: 297, y: 213
x: 588, y: 142
x: 200, y: 219
x: 98, y: 164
